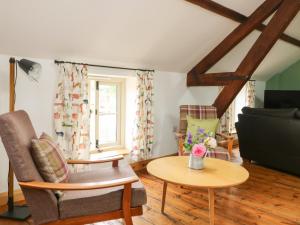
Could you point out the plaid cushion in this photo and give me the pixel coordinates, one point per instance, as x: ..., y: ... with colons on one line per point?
x: 197, y: 112
x: 49, y: 159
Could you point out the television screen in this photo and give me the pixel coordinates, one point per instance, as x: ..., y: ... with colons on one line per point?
x: 282, y: 99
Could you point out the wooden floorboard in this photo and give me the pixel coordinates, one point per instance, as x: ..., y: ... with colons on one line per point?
x: 269, y: 197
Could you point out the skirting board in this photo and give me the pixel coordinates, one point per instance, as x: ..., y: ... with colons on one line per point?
x: 140, y: 165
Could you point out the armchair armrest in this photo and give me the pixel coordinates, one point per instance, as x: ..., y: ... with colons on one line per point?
x: 180, y: 135
x: 227, y: 143
x: 224, y: 136
x: 102, y: 160
x: 79, y: 186
x: 180, y: 138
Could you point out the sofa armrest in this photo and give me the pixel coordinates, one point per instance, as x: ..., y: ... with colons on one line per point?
x: 79, y: 186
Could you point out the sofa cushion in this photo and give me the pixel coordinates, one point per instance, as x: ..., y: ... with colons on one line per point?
x: 49, y: 159
x: 83, y: 203
x: 283, y: 113
x: 297, y: 115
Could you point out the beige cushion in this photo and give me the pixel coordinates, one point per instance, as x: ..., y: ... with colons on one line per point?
x: 82, y: 203
x: 49, y: 159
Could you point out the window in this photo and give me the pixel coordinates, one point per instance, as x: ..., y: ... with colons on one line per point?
x: 239, y: 102
x: 107, y: 112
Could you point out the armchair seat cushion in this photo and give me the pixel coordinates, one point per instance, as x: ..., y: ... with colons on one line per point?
x: 83, y: 203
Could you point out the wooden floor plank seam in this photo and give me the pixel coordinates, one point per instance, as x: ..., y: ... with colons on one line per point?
x: 269, y: 197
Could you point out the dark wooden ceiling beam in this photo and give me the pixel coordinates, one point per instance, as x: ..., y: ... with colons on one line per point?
x: 222, y: 79
x: 238, y: 34
x: 282, y: 18
x: 237, y: 17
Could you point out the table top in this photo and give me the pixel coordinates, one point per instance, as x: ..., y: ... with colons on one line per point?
x: 216, y: 173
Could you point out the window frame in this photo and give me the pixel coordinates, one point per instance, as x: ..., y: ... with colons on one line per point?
x: 120, y: 84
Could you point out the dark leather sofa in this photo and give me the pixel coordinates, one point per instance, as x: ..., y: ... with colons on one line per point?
x: 271, y: 137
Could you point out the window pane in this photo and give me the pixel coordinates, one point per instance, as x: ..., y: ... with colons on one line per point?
x: 240, y: 102
x: 107, y: 99
x: 108, y: 129
x: 92, y: 102
x: 107, y: 114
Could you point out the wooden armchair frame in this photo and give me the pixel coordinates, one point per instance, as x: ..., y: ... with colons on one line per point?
x: 126, y: 212
x: 200, y: 112
x: 228, y: 142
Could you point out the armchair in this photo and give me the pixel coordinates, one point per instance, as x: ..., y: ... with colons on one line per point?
x: 200, y: 112
x: 88, y: 197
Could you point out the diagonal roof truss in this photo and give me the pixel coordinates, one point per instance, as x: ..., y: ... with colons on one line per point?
x: 285, y: 11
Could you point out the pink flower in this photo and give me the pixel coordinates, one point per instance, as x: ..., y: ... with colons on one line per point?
x: 199, y: 150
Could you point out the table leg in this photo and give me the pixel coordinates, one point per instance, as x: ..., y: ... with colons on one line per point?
x: 164, y: 197
x: 211, y: 198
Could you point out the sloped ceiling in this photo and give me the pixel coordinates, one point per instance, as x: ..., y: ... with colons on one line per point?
x: 167, y: 35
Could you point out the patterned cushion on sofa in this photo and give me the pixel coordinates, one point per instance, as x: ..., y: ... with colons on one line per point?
x: 49, y: 160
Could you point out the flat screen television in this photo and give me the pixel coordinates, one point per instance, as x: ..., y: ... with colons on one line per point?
x: 282, y: 99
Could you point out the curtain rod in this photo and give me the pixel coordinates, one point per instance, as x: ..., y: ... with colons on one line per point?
x: 94, y: 65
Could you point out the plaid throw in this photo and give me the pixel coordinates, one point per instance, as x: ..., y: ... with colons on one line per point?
x: 219, y: 153
x: 201, y: 112
x: 197, y: 112
x: 49, y: 159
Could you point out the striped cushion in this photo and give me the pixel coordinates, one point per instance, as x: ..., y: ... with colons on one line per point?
x: 49, y: 160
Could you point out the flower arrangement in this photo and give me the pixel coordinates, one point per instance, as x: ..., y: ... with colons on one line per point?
x: 199, y: 144
x: 199, y: 150
x: 210, y: 143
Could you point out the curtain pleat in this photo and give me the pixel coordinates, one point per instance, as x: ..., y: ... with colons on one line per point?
x: 143, y: 135
x: 227, y: 121
x: 250, y: 94
x: 71, y: 111
x: 226, y: 124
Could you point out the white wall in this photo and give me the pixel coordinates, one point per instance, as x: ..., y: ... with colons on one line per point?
x: 260, y: 87
x: 170, y: 91
x: 35, y: 98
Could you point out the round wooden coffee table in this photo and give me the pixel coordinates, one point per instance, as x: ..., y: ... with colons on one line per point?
x: 216, y: 174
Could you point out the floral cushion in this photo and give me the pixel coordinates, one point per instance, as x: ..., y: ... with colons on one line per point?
x: 198, y: 129
x: 49, y: 160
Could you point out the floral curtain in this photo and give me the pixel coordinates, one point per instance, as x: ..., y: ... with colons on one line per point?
x: 71, y: 111
x: 227, y: 122
x: 250, y: 94
x: 143, y: 138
